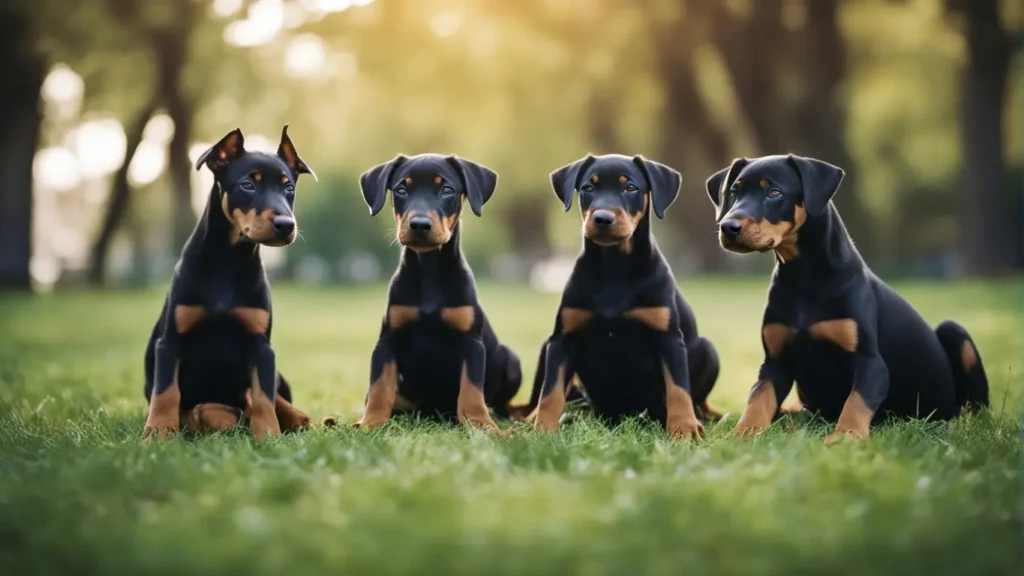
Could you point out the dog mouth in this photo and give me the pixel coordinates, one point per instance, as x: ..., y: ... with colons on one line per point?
x: 733, y: 245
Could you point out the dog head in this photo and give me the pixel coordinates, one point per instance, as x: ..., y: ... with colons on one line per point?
x: 763, y: 202
x: 257, y: 190
x: 427, y: 192
x: 615, y: 193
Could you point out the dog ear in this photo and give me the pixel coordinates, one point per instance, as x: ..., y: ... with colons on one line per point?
x: 819, y: 179
x: 664, y: 182
x: 286, y: 150
x: 565, y: 179
x: 719, y: 183
x: 374, y: 182
x: 230, y: 147
x: 480, y: 182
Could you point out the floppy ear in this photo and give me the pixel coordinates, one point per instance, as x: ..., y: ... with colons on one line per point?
x: 720, y: 182
x: 286, y: 150
x: 565, y: 179
x: 480, y: 182
x: 374, y: 182
x: 819, y: 179
x: 664, y: 181
x: 229, y: 148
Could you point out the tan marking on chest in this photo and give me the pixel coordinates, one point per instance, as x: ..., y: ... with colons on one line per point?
x: 968, y: 356
x: 399, y: 316
x: 777, y: 337
x: 842, y: 333
x: 254, y: 320
x: 460, y: 317
x: 186, y: 318
x: 656, y: 318
x: 575, y: 319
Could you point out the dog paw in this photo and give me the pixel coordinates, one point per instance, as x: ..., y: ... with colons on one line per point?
x: 369, y: 423
x: 687, y: 429
x: 746, y: 432
x: 844, y: 435
x: 160, y: 432
x: 295, y: 421
x: 329, y: 422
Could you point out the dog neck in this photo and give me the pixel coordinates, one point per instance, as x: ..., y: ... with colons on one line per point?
x: 214, y: 242
x: 824, y: 249
x: 627, y: 258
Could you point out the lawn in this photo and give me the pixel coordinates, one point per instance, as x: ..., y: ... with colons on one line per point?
x: 79, y: 490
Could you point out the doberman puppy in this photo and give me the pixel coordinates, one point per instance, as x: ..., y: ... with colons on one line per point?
x: 622, y: 327
x: 209, y: 359
x: 855, y: 348
x: 437, y: 354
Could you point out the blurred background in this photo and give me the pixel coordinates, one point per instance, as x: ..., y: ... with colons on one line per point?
x: 108, y: 103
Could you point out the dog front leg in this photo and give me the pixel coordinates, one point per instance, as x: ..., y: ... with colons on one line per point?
x: 380, y: 398
x: 558, y: 372
x: 262, y: 393
x: 680, y: 418
x: 472, y: 407
x: 163, y: 418
x: 870, y: 387
x: 774, y: 381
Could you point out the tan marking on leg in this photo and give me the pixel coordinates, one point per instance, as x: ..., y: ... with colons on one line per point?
x: 681, y: 420
x: 460, y: 318
x: 550, y: 407
x: 261, y: 411
x: 288, y: 416
x: 380, y: 399
x: 186, y: 318
x: 761, y: 407
x: 656, y: 318
x: 968, y: 356
x: 471, y: 407
x: 709, y: 412
x: 164, y: 411
x: 399, y: 316
x: 254, y: 320
x: 842, y: 333
x: 854, y: 420
x: 210, y: 417
x: 575, y: 319
x: 777, y: 337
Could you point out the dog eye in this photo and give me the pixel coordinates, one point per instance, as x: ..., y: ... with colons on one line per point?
x: 631, y: 188
x: 247, y: 186
x: 447, y: 190
x: 587, y: 188
x: 289, y: 189
x: 774, y: 193
x: 400, y: 190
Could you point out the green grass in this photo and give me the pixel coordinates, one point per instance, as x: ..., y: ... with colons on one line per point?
x: 80, y: 491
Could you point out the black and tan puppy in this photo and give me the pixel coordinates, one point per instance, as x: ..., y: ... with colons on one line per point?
x: 622, y: 328
x: 437, y: 353
x: 209, y: 359
x: 856, y: 350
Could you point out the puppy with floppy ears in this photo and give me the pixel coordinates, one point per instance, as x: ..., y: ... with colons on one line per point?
x: 209, y: 359
x: 437, y: 353
x: 856, y: 350
x: 622, y: 327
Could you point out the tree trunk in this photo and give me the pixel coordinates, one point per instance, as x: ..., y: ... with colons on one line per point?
x: 120, y: 192
x: 990, y: 239
x: 20, y: 120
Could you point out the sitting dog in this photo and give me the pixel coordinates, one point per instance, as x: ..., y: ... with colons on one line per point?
x: 855, y: 348
x: 622, y: 327
x: 209, y: 359
x: 437, y: 353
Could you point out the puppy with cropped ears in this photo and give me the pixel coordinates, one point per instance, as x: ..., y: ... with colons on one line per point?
x: 437, y: 354
x: 622, y: 328
x: 856, y: 350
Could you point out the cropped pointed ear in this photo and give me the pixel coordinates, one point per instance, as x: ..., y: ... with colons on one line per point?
x: 719, y: 183
x: 478, y: 180
x: 374, y: 182
x: 230, y: 147
x: 565, y: 179
x: 819, y: 179
x: 664, y: 183
x: 286, y: 150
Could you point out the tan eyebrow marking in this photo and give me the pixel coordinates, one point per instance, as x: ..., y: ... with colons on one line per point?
x: 437, y: 179
x: 622, y: 179
x: 408, y: 181
x: 595, y: 179
x: 763, y: 182
x: 257, y: 176
x: 738, y: 183
x: 284, y: 179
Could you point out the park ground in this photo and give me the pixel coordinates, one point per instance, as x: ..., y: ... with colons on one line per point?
x: 81, y: 492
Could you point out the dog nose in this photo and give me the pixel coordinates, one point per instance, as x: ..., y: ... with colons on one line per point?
x: 731, y: 228
x: 284, y: 225
x: 603, y: 218
x: 420, y: 223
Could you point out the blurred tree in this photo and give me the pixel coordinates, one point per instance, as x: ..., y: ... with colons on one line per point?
x: 990, y: 234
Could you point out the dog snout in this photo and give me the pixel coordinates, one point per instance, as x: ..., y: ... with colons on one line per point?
x: 731, y: 228
x: 603, y: 218
x: 420, y: 223
x: 284, y: 225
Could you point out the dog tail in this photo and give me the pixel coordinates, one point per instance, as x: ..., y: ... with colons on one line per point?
x: 968, y: 372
